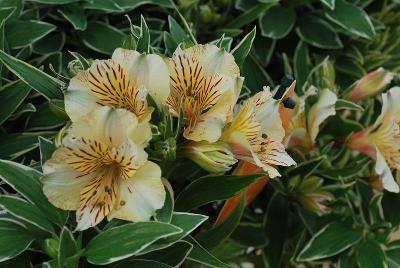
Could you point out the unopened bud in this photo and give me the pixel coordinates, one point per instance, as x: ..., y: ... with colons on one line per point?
x: 213, y: 157
x: 51, y: 246
x: 369, y: 85
x: 167, y: 149
x: 327, y: 75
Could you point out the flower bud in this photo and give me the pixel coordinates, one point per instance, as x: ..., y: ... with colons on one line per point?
x: 74, y: 67
x: 310, y: 194
x: 167, y: 149
x: 51, y: 246
x: 369, y: 85
x: 327, y: 75
x: 213, y: 157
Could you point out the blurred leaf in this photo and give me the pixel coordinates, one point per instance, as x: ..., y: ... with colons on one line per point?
x: 351, y: 18
x: 264, y: 48
x: 250, y: 234
x: 219, y: 233
x: 243, y: 48
x: 141, y: 264
x: 26, y: 211
x: 301, y: 64
x: 103, y: 5
x: 306, y: 168
x: 165, y: 213
x: 329, y: 3
x: 212, y: 188
x: 277, y: 22
x: 102, y: 37
x: 26, y: 182
x: 44, y: 119
x: 178, y: 34
x: 351, y: 68
x: 43, y: 83
x: 338, y: 236
x: 200, y: 255
x: 318, y: 33
x: 276, y: 227
x: 249, y: 15
x: 127, y: 240
x: 51, y: 43
x: 53, y: 2
x: 14, y: 240
x: 75, y: 16
x: 255, y: 75
x: 131, y: 4
x: 346, y: 261
x: 393, y: 255
x: 369, y: 254
x: 173, y: 255
x: 11, y: 97
x: 347, y: 126
x: 23, y: 33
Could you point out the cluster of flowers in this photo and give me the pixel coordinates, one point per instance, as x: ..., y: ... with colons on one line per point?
x: 101, y: 169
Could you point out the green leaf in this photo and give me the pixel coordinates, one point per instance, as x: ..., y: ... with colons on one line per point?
x: 212, y: 188
x: 6, y: 13
x: 188, y: 222
x: 173, y: 255
x: 102, y: 37
x: 200, y: 255
x: 11, y: 97
x: 170, y: 44
x: 141, y: 264
x: 370, y: 255
x: 243, y: 48
x: 276, y: 227
x: 75, y: 16
x: 132, y: 4
x: 393, y: 254
x: 351, y: 18
x: 329, y: 3
x: 338, y: 236
x: 53, y: 2
x: 178, y: 34
x: 51, y: 43
x: 67, y: 247
x: 44, y: 118
x: 342, y: 104
x: 14, y: 240
x: 250, y: 234
x: 346, y: 261
x: 306, y: 168
x: 301, y: 64
x: 26, y: 182
x: 350, y: 68
x: 213, y: 237
x: 318, y: 33
x: 103, y: 5
x: 143, y: 43
x: 277, y: 22
x: 17, y: 144
x: 22, y: 33
x: 249, y: 15
x: 47, y: 149
x: 43, y: 83
x: 165, y: 213
x: 255, y: 75
x: 127, y: 240
x: 26, y: 211
x: 84, y: 62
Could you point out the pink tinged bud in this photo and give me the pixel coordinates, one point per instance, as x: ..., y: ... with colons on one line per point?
x: 369, y: 85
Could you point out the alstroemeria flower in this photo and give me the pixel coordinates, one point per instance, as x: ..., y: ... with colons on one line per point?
x: 256, y: 133
x: 101, y: 170
x: 381, y: 141
x: 303, y: 129
x: 121, y: 82
x: 205, y: 83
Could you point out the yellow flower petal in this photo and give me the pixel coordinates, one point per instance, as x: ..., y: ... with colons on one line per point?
x: 205, y: 82
x: 141, y: 195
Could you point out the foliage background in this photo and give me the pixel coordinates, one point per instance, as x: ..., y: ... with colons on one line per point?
x: 325, y: 43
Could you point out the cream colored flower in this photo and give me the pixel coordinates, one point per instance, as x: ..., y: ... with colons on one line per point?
x: 101, y: 170
x: 122, y: 82
x: 256, y: 133
x: 303, y: 129
x: 205, y: 83
x: 381, y: 141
